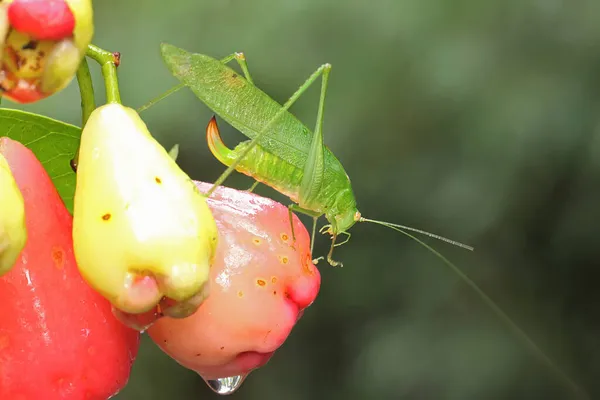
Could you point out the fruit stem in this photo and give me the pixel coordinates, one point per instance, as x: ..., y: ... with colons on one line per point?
x: 86, y: 90
x: 108, y: 62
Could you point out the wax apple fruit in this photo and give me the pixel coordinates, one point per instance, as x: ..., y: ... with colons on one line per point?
x: 13, y: 234
x: 157, y: 233
x: 58, y: 337
x: 43, y: 42
x: 261, y: 282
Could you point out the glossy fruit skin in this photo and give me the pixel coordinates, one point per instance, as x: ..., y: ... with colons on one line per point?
x: 42, y: 19
x: 261, y: 282
x: 13, y: 233
x: 158, y: 232
x: 58, y: 337
x: 43, y: 42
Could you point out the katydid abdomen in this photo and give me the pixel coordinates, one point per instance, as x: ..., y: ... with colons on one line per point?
x: 260, y: 165
x: 334, y: 199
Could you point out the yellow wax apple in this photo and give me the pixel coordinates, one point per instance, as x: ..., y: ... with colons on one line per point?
x: 141, y: 228
x: 13, y: 232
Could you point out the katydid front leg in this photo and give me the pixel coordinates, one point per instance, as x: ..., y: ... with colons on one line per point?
x: 241, y: 60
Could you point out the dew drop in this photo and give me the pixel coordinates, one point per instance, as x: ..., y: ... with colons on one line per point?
x: 225, y: 386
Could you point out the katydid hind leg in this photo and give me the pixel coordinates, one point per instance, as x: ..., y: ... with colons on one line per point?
x: 315, y: 75
x: 312, y: 178
x: 348, y: 236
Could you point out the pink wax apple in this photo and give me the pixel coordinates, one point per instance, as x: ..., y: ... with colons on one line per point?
x: 260, y: 284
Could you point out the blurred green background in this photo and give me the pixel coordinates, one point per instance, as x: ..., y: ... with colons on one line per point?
x: 477, y: 120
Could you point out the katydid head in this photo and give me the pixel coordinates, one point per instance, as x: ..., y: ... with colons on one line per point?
x: 343, y: 214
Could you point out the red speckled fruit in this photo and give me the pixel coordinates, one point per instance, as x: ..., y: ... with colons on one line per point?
x: 42, y: 19
x: 260, y: 285
x: 58, y: 337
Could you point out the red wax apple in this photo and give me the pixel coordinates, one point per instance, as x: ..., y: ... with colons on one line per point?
x: 58, y: 337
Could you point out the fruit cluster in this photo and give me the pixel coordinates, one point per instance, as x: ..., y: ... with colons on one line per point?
x: 217, y: 282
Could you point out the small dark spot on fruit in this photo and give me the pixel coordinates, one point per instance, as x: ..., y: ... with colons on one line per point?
x: 234, y: 76
x: 31, y: 45
x: 157, y: 179
x: 275, y: 292
x: 198, y: 354
x: 284, y: 259
x: 284, y: 237
x: 222, y: 347
x: 257, y: 241
x: 106, y: 216
x: 165, y: 340
x: 58, y: 256
x: 261, y: 282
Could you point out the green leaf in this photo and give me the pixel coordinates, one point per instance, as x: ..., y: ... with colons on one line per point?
x: 53, y: 142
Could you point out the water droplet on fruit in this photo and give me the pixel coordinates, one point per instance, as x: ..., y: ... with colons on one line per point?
x: 225, y: 386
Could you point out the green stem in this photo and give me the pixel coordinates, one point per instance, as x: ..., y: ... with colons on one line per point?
x: 88, y: 101
x: 108, y: 62
x: 86, y: 91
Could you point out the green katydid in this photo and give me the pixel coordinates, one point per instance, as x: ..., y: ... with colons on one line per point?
x: 283, y: 152
x: 287, y: 156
